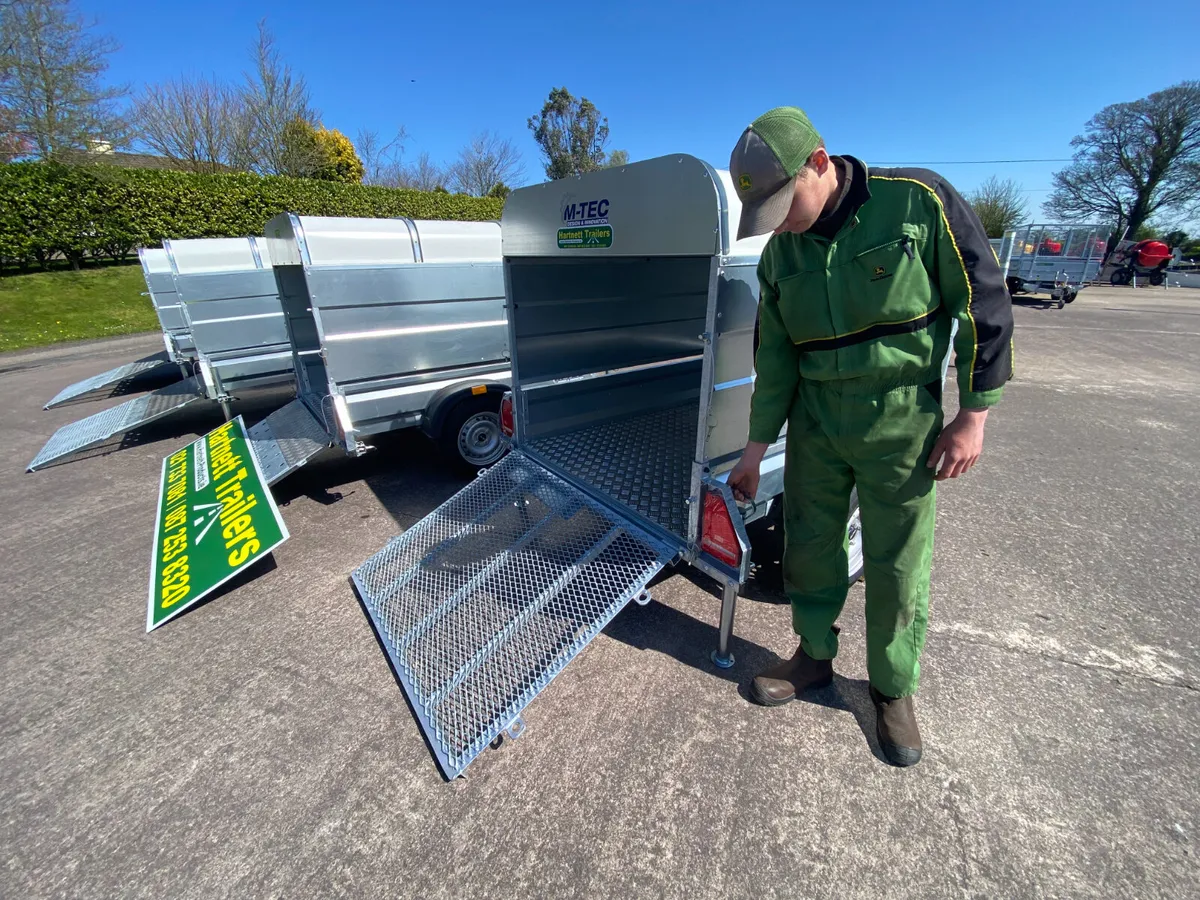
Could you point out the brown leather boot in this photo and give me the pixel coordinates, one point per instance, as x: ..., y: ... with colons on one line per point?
x: 780, y: 684
x: 896, y: 727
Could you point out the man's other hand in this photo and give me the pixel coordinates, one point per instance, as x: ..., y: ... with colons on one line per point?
x: 959, y: 446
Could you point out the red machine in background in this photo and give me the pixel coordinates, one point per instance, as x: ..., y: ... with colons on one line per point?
x: 1146, y: 258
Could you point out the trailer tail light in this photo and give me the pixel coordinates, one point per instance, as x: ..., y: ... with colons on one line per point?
x: 506, y: 414
x: 718, y: 537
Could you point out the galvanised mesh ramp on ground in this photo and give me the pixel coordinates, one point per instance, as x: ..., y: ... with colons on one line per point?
x: 485, y: 600
x: 123, y: 417
x: 111, y: 378
x: 287, y: 439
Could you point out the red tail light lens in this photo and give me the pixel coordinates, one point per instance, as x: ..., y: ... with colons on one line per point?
x: 506, y: 415
x: 718, y: 538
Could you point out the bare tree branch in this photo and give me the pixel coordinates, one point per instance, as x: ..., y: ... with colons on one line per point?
x: 487, y: 161
x: 382, y: 162
x: 273, y: 98
x: 192, y: 121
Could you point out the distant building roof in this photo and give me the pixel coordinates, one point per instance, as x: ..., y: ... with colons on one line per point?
x: 103, y: 154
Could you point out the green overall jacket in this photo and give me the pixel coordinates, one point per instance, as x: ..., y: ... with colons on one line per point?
x: 876, y: 301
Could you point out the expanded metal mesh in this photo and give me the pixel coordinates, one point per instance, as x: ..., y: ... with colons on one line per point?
x: 485, y: 600
x: 286, y: 440
x: 123, y: 417
x: 644, y: 462
x: 112, y: 378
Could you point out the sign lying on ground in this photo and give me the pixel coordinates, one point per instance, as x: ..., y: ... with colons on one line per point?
x: 216, y: 516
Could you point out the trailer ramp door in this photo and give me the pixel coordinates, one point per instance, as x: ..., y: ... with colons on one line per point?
x: 113, y: 378
x: 119, y: 419
x: 286, y: 440
x: 485, y: 600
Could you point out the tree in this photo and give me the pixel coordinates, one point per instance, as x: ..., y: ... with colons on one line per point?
x: 317, y: 152
x: 50, y: 86
x: 500, y: 191
x: 1176, y: 238
x: 422, y: 175
x: 488, y: 160
x: 274, y: 99
x: 618, y: 158
x: 12, y: 144
x: 572, y: 135
x: 381, y: 160
x: 1134, y: 160
x: 195, y: 122
x: 999, y: 205
x: 341, y: 162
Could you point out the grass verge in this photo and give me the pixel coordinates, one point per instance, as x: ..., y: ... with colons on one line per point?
x: 48, y: 307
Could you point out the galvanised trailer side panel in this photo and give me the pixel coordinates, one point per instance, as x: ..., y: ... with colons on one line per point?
x: 160, y: 283
x: 231, y: 302
x: 385, y: 315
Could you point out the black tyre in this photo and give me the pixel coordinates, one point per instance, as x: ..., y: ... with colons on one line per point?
x: 1071, y: 295
x: 471, y: 434
x: 1119, y: 277
x: 1157, y: 279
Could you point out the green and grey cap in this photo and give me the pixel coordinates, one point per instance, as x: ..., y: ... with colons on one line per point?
x: 764, y: 165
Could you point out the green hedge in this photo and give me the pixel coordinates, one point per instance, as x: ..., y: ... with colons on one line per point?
x: 93, y: 211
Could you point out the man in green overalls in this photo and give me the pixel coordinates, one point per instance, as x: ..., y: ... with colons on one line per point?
x: 859, y: 285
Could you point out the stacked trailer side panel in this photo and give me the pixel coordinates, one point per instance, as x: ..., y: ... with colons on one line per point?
x: 231, y: 301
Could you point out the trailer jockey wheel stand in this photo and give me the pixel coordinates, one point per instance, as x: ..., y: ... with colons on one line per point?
x: 722, y: 657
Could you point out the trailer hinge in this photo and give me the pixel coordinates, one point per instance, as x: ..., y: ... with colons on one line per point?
x: 706, y: 337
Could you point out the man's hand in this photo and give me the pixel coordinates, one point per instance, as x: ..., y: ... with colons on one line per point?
x: 959, y: 445
x: 744, y: 478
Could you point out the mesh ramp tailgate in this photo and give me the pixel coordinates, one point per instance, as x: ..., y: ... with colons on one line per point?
x: 286, y: 440
x: 98, y: 428
x: 111, y: 378
x: 485, y: 600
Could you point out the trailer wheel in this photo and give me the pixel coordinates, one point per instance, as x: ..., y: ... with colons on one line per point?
x: 1071, y: 295
x: 471, y: 434
x: 854, y: 549
x: 1157, y: 278
x: 1060, y: 299
x: 1119, y: 278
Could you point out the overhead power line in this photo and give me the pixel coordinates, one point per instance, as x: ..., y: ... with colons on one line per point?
x: 971, y: 162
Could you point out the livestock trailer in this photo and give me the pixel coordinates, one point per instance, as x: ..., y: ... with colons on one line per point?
x: 393, y: 323
x: 631, y: 314
x: 233, y: 332
x: 177, y: 338
x: 1058, y: 260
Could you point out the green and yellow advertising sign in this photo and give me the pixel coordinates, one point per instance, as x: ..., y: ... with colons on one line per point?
x: 591, y: 237
x: 216, y: 516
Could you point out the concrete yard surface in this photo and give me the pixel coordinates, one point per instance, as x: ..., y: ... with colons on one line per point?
x: 259, y: 745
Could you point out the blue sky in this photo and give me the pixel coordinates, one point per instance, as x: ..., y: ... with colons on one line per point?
x: 889, y: 82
